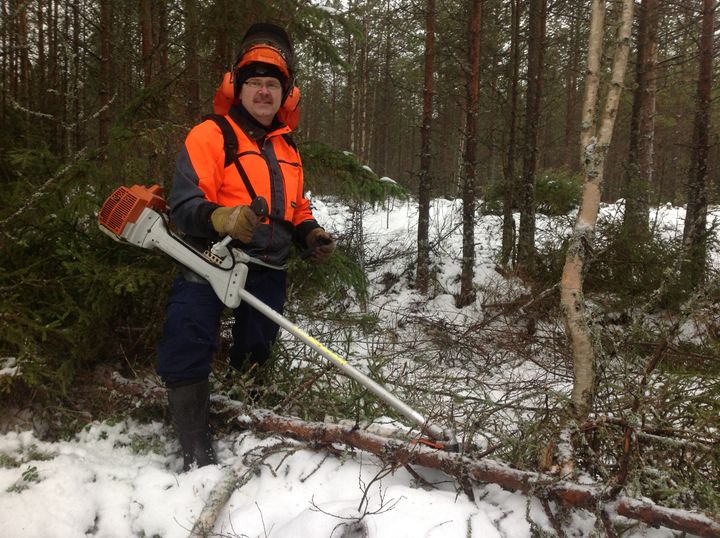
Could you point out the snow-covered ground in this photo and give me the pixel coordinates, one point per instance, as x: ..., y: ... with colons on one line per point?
x: 125, y: 478
x: 113, y: 480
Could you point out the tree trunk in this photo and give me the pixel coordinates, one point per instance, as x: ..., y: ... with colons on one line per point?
x: 694, y: 232
x: 467, y: 289
x: 5, y: 72
x: 146, y: 38
x: 508, y: 229
x: 192, y: 67
x: 595, y: 144
x: 350, y: 89
x: 41, y: 75
x: 384, y: 105
x: 362, y: 92
x: 162, y: 39
x: 640, y: 165
x: 76, y: 101
x: 423, y: 242
x: 24, y: 52
x: 571, y: 89
x: 105, y: 74
x: 536, y: 46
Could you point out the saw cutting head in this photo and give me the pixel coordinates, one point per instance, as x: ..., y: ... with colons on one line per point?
x: 126, y: 204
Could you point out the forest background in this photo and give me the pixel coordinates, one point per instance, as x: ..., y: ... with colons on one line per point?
x: 96, y: 94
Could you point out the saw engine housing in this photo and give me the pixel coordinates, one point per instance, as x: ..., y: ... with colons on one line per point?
x: 137, y: 215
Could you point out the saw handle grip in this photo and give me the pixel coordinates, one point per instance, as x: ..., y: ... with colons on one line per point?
x: 259, y: 206
x: 305, y: 254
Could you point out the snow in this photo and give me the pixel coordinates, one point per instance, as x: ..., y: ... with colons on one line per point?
x: 8, y: 366
x: 124, y: 478
x: 98, y: 484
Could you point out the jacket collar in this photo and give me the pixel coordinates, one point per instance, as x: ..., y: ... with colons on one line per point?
x: 253, y: 128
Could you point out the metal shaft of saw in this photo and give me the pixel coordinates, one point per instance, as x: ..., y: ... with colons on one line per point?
x: 381, y: 392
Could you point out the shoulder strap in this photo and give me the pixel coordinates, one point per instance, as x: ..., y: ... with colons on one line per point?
x: 230, y: 143
x: 290, y: 141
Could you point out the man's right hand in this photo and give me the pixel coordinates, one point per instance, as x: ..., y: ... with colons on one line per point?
x: 238, y: 222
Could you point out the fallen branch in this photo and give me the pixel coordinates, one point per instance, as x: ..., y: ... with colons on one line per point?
x: 671, y: 518
x: 236, y: 477
x: 408, y: 452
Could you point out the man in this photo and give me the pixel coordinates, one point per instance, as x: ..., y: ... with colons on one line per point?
x: 252, y: 192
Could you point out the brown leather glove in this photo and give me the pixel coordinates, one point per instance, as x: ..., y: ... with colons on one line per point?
x: 321, y: 243
x: 238, y: 222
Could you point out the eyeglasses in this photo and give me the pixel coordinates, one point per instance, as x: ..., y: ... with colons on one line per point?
x: 271, y: 85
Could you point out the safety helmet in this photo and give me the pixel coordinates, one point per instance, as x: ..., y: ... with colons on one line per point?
x: 265, y: 48
x: 269, y: 46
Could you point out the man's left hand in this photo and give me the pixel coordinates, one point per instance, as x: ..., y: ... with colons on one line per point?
x: 321, y: 243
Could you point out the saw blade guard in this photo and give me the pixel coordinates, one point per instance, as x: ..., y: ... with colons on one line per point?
x: 136, y: 215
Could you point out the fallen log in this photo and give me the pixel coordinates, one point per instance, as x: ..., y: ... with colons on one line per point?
x: 410, y: 452
x: 668, y: 517
x: 235, y: 478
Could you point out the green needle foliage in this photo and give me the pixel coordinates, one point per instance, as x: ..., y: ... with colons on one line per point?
x: 339, y: 173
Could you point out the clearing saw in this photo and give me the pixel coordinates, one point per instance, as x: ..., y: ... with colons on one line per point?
x: 138, y: 215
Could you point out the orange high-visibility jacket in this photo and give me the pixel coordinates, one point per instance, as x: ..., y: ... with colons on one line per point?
x: 202, y: 183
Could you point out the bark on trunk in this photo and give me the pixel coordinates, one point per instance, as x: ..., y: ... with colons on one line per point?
x: 694, y: 232
x: 594, y: 149
x: 640, y: 166
x: 24, y: 53
x: 536, y: 45
x: 105, y: 74
x: 571, y: 85
x: 192, y: 66
x: 146, y: 34
x: 467, y: 291
x: 508, y: 234
x: 423, y: 255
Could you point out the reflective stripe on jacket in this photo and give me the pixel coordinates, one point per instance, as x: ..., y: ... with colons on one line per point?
x: 202, y: 182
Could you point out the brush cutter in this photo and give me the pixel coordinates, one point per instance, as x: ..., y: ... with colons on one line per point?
x: 137, y: 215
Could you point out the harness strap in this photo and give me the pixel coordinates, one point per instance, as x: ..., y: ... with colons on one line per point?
x: 230, y: 142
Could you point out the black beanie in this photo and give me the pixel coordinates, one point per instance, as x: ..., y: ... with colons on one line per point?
x: 259, y: 69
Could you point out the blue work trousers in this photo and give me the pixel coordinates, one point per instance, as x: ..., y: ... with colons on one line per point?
x: 192, y: 320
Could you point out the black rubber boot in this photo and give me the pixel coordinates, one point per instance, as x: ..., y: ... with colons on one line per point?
x: 190, y: 410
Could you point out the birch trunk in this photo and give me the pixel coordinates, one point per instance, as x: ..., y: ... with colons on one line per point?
x: 594, y: 148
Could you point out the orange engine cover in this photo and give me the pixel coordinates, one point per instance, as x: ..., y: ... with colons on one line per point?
x: 125, y: 205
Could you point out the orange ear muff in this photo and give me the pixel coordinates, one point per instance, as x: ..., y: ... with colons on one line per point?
x: 224, y: 95
x: 289, y: 112
x: 292, y: 100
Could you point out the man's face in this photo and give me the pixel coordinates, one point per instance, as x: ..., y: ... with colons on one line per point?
x: 262, y: 96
